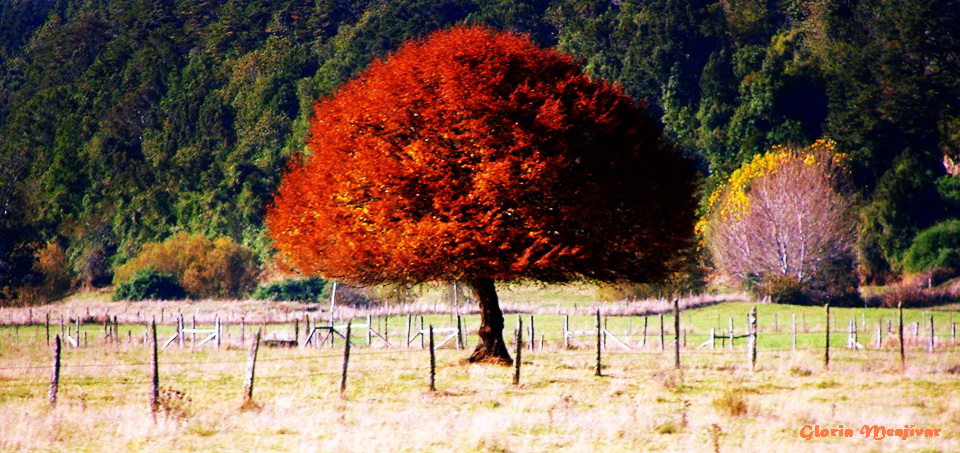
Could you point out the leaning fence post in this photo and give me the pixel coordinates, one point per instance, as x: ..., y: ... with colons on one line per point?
x: 599, y: 339
x: 55, y: 374
x: 752, y: 338
x: 155, y: 378
x: 676, y: 330
x: 433, y: 363
x: 903, y: 356
x: 346, y: 360
x: 516, y: 372
x: 248, y: 384
x: 826, y: 346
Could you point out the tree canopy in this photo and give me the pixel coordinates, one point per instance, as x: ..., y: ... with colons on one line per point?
x: 478, y: 155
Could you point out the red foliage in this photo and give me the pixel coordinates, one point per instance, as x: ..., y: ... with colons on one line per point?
x: 476, y: 154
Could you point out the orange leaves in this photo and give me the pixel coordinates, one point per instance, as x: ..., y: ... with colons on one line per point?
x: 464, y: 155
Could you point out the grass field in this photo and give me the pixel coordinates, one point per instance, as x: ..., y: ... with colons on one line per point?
x: 641, y: 402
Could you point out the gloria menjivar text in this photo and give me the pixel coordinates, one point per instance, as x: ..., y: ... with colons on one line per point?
x: 867, y: 431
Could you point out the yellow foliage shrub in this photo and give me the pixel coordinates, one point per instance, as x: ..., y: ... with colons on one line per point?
x: 218, y: 268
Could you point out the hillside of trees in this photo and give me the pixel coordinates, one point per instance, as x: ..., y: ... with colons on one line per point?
x: 126, y: 122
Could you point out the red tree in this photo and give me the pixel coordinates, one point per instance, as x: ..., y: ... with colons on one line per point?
x: 476, y: 155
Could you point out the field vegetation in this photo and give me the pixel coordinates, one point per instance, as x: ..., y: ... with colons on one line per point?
x: 640, y: 402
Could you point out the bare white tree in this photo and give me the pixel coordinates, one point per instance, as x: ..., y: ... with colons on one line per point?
x: 797, y: 225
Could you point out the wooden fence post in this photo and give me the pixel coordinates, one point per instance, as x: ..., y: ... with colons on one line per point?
x: 599, y: 340
x: 296, y: 330
x: 661, y: 333
x: 850, y: 335
x: 248, y: 383
x: 155, y: 377
x: 516, y: 372
x: 218, y: 329
x: 533, y: 334
x: 369, y: 330
x: 731, y: 334
x: 421, y: 332
x: 55, y: 374
x: 879, y: 334
x: 409, y: 326
x: 605, y: 319
x: 903, y: 356
x: 930, y: 345
x: 752, y: 338
x: 433, y: 363
x: 180, y: 327
x: 346, y: 361
x: 48, y: 328
x: 676, y: 330
x: 953, y: 331
x: 713, y: 338
x: 645, y: 319
x: 794, y: 316
x: 826, y: 346
x: 459, y: 330
x: 566, y: 329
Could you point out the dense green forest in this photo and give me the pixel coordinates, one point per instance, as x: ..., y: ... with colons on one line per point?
x: 126, y: 122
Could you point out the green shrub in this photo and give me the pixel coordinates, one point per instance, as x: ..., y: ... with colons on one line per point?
x: 216, y: 268
x: 300, y: 289
x: 148, y: 284
x: 937, y: 247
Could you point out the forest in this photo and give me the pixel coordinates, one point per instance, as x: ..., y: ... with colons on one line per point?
x: 128, y: 123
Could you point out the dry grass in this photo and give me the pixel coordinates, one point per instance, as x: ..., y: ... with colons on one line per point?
x: 641, y: 404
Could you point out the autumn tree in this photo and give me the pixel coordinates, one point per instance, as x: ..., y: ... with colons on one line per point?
x: 782, y: 224
x: 476, y: 155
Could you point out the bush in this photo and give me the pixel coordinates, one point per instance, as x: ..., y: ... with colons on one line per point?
x: 217, y: 268
x: 937, y: 247
x: 148, y: 284
x: 782, y: 289
x: 299, y: 289
x: 52, y: 277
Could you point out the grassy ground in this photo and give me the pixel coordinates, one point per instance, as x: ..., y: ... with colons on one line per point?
x: 641, y: 402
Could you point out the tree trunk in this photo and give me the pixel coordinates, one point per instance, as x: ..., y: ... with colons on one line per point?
x: 491, y: 348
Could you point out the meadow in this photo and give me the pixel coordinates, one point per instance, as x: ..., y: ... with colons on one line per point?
x: 640, y: 403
